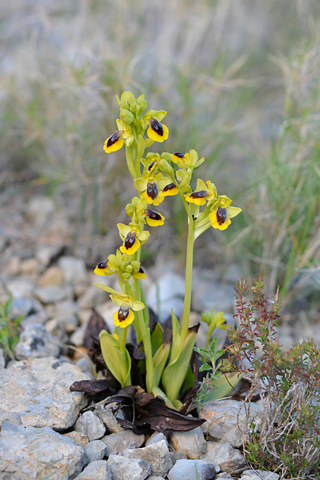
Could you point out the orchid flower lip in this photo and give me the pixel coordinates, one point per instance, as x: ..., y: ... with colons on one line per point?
x: 130, y: 240
x: 123, y: 312
x: 152, y: 190
x: 156, y: 126
x: 169, y: 187
x: 103, y: 264
x: 114, y: 138
x: 222, y: 215
x: 152, y: 214
x: 199, y: 194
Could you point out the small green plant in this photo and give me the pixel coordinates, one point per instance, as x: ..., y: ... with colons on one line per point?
x: 214, y: 385
x: 286, y: 439
x: 155, y: 177
x: 209, y: 383
x: 9, y: 331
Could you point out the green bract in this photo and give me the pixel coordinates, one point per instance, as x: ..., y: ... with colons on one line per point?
x: 166, y: 363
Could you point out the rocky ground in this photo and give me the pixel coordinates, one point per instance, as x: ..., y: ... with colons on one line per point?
x: 46, y: 264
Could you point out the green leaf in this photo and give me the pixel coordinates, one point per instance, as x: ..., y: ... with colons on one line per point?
x: 149, y: 359
x: 176, y: 337
x: 156, y: 338
x: 188, y: 381
x: 157, y: 392
x: 213, y: 346
x: 202, y: 351
x: 118, y: 362
x: 174, y: 374
x: 204, y: 367
x: 159, y: 361
x: 224, y: 386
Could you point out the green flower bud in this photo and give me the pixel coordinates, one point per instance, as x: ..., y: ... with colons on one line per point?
x: 131, y: 100
x: 135, y: 265
x: 126, y: 276
x: 166, y: 156
x: 138, y: 110
x: 130, y: 209
x: 142, y: 102
x: 124, y: 105
x: 123, y: 265
x: 126, y: 116
x: 129, y: 269
x: 165, y: 168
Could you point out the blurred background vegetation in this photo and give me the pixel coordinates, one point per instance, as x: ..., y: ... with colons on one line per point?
x: 240, y: 82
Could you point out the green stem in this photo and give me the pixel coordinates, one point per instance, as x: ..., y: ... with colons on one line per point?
x: 130, y: 153
x: 123, y: 339
x: 187, y: 298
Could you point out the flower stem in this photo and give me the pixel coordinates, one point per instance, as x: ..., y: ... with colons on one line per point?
x: 123, y: 338
x: 188, y: 285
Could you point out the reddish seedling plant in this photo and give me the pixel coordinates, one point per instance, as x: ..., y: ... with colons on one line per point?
x: 286, y: 436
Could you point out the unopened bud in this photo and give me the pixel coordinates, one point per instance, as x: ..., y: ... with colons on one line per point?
x: 165, y: 168
x: 142, y: 103
x: 166, y: 156
x: 126, y: 116
x: 135, y: 265
x: 123, y: 265
x: 130, y: 209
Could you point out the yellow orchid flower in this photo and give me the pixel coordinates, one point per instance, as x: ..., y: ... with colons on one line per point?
x: 132, y: 237
x: 222, y: 213
x: 127, y: 304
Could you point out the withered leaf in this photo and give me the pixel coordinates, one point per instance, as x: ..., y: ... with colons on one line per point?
x: 105, y: 387
x: 95, y: 325
x: 143, y: 412
x: 136, y: 355
x: 135, y: 352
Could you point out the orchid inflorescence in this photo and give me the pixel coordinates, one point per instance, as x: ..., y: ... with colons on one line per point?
x: 155, y: 177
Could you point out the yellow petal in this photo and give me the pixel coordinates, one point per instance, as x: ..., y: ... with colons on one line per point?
x: 101, y: 268
x: 139, y: 275
x: 198, y: 198
x: 170, y: 190
x: 154, y: 218
x: 157, y: 131
x: 177, y: 156
x: 114, y: 142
